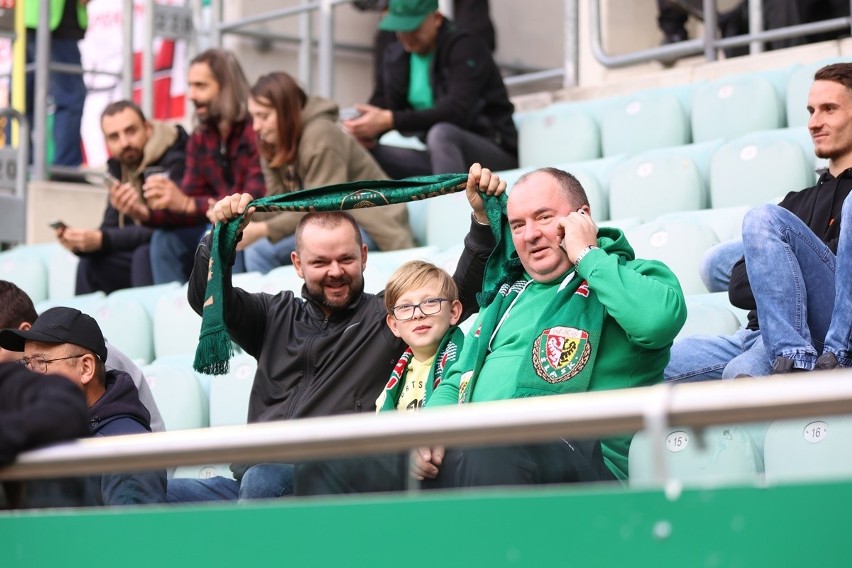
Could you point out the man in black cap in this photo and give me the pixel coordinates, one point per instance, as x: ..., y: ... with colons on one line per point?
x: 67, y: 342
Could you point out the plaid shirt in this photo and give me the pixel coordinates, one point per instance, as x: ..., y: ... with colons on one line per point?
x: 216, y: 168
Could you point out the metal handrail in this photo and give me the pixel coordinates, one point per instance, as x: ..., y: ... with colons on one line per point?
x: 709, y: 44
x: 585, y: 415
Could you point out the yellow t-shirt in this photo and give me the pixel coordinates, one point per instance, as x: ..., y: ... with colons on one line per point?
x: 414, y: 389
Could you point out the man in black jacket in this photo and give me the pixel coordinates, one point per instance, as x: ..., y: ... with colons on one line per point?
x: 793, y: 258
x: 441, y: 84
x: 117, y: 255
x: 329, y: 352
x: 69, y: 343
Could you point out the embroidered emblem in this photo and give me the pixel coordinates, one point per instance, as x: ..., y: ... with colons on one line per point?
x: 463, y: 383
x: 478, y: 330
x: 583, y: 289
x: 560, y: 353
x: 363, y: 198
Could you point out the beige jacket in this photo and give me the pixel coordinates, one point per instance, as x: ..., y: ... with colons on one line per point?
x: 327, y: 155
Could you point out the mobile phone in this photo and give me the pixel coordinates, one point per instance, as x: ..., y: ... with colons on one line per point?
x: 349, y: 113
x: 58, y: 225
x: 109, y: 180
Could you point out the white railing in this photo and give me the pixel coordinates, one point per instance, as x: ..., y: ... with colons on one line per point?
x: 587, y: 415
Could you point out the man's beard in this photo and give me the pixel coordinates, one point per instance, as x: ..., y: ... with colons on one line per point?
x: 317, y: 294
x: 134, y: 159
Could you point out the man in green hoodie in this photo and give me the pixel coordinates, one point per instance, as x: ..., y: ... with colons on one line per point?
x: 572, y: 311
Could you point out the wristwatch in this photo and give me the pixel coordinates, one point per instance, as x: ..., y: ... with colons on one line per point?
x: 583, y: 253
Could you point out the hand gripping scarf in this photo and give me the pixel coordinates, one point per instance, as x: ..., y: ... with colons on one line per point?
x: 214, y: 347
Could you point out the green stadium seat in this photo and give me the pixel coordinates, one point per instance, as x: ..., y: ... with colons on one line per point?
x: 707, y: 319
x: 754, y: 170
x: 61, y: 272
x: 283, y: 278
x: 86, y: 303
x: 179, y: 394
x: 726, y: 222
x: 229, y: 394
x: 807, y: 449
x: 734, y: 106
x: 27, y: 271
x: 717, y: 299
x: 559, y: 133
x: 645, y: 120
x: 655, y: 183
x: 148, y: 296
x: 722, y: 455
x: 380, y: 265
x: 176, y: 325
x: 126, y: 324
x: 678, y: 244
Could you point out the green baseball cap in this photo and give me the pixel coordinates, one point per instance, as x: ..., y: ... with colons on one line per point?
x: 407, y: 15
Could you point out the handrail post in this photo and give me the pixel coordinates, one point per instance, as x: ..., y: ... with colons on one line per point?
x: 42, y: 78
x: 755, y: 24
x: 127, y: 50
x: 710, y: 30
x: 306, y: 34
x: 571, y: 52
x: 326, y: 49
x: 148, y: 61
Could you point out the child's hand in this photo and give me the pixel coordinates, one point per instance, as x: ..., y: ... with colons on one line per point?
x: 425, y: 462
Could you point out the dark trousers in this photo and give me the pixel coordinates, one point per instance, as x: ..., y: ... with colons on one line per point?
x: 114, y: 271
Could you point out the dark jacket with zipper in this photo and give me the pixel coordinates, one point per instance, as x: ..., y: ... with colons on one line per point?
x: 119, y: 412
x: 310, y: 364
x: 467, y: 89
x: 819, y: 207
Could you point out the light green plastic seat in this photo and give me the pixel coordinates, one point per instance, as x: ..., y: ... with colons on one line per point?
x: 380, y: 265
x: 726, y: 222
x: 283, y: 278
x: 678, y: 244
x: 752, y: 171
x: 707, y: 319
x: 649, y: 185
x: 561, y: 132
x: 126, y: 324
x: 647, y: 119
x: 27, y: 271
x: 723, y: 455
x: 735, y: 105
x: 229, y: 394
x: 176, y: 325
x: 179, y: 394
x: 807, y: 449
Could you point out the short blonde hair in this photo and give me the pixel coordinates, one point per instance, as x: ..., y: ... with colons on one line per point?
x: 416, y: 274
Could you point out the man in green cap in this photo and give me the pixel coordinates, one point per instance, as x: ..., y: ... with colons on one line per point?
x: 441, y: 84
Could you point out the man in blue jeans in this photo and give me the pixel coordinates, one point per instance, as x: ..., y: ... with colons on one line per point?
x: 68, y: 22
x: 793, y: 274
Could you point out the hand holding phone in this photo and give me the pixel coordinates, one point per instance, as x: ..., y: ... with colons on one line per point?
x: 58, y: 225
x: 110, y: 181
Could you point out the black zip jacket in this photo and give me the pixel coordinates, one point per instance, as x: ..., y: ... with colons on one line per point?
x: 819, y: 207
x: 116, y: 413
x: 467, y: 88
x: 312, y: 365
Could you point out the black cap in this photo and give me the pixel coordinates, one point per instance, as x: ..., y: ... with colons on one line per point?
x: 59, y: 325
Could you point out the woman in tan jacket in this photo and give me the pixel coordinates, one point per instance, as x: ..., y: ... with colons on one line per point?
x: 302, y: 146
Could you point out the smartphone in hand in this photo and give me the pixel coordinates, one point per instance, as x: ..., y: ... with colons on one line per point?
x: 109, y: 180
x: 58, y: 225
x: 349, y: 113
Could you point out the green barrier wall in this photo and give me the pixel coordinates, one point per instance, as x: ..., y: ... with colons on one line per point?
x: 803, y: 525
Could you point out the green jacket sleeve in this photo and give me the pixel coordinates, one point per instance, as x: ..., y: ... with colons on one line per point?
x: 643, y: 296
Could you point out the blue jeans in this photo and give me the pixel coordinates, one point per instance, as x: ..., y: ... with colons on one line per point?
x: 451, y: 149
x: 717, y: 262
x: 68, y: 91
x: 261, y: 481
x: 803, y: 291
x: 264, y: 255
x: 707, y: 357
x: 172, y: 252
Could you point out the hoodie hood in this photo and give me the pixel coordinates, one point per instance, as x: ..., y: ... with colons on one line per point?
x: 120, y: 400
x: 318, y: 108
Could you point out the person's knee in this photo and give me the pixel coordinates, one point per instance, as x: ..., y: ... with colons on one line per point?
x: 760, y: 219
x: 442, y: 134
x: 267, y: 481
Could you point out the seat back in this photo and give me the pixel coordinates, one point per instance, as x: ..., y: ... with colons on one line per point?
x: 645, y: 120
x: 715, y: 456
x: 176, y: 325
x: 229, y: 394
x: 733, y: 106
x: 814, y: 448
x: 561, y: 132
x: 179, y: 395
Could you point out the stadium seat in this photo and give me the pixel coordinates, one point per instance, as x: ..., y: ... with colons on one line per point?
x: 126, y: 324
x: 807, y: 449
x: 86, y: 303
x: 734, y: 106
x: 61, y: 272
x: 559, y: 133
x: 726, y: 222
x: 752, y: 171
x: 284, y: 278
x: 176, y: 325
x: 722, y: 455
x: 229, y: 394
x: 647, y: 119
x: 717, y: 299
x: 655, y: 183
x: 447, y: 220
x: 27, y: 271
x: 179, y: 395
x: 147, y: 296
x: 708, y: 319
x: 248, y: 281
x: 395, y: 138
x: 678, y: 244
x: 418, y: 219
x: 380, y: 265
